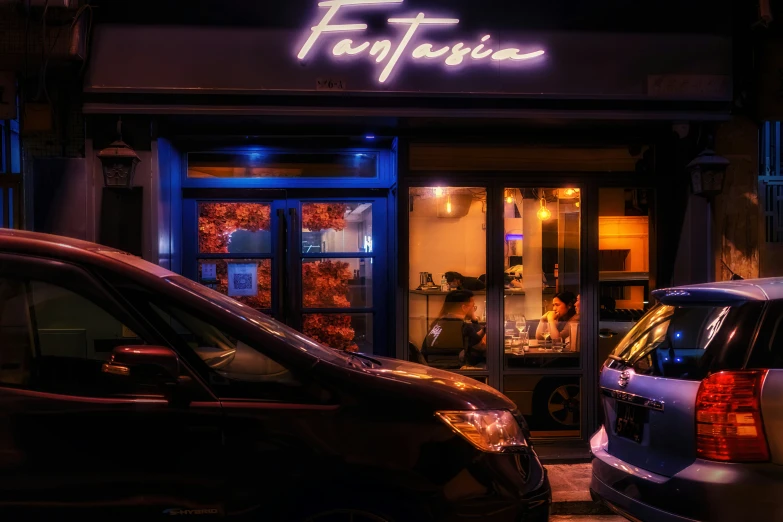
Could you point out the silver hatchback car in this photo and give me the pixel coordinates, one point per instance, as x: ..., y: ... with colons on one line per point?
x: 693, y: 408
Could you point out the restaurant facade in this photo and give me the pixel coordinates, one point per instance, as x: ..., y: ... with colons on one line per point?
x: 332, y: 168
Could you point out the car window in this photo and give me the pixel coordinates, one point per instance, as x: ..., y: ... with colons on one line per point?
x: 768, y: 350
x: 686, y: 342
x: 55, y: 340
x: 236, y: 369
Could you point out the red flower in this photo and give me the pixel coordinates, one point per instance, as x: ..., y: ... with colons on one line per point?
x: 217, y: 221
x: 323, y: 216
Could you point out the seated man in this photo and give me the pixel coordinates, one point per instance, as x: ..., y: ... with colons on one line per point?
x: 457, y: 281
x: 456, y: 336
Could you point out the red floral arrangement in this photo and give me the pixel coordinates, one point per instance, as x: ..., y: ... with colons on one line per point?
x: 323, y: 216
x: 217, y: 221
x: 325, y: 285
x: 325, y: 282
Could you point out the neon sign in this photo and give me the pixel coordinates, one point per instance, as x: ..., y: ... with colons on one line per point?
x: 452, y: 55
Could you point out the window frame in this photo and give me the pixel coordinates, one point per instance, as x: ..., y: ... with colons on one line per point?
x: 78, y: 281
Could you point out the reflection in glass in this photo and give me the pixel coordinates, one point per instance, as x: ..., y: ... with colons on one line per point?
x: 337, y: 283
x: 551, y: 404
x: 234, y: 228
x: 541, y: 295
x: 624, y: 263
x: 269, y: 164
x: 336, y: 227
x: 247, y: 280
x: 447, y: 252
x: 351, y: 332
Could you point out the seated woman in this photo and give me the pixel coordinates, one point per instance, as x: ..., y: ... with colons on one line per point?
x: 456, y: 335
x: 555, y: 324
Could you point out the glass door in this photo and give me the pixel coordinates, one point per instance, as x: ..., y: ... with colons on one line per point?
x: 447, y: 286
x: 542, y: 347
x: 341, y: 270
x: 315, y: 264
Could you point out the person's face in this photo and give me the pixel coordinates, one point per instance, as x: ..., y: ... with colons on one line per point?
x: 577, y: 304
x: 559, y: 307
x: 469, y: 308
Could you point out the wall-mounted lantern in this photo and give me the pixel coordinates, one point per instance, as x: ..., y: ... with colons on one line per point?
x: 708, y: 173
x: 119, y: 162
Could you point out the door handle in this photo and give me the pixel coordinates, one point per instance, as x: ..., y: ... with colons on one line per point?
x: 606, y: 333
x: 282, y: 265
x: 294, y: 263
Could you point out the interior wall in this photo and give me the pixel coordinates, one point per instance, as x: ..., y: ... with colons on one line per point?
x: 439, y: 245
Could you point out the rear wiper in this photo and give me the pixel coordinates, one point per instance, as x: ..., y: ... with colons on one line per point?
x: 622, y: 361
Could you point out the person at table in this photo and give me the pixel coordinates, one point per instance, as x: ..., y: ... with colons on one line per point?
x: 456, y: 335
x: 573, y: 327
x: 554, y: 323
x: 457, y: 281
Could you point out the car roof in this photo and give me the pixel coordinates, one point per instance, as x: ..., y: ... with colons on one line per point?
x: 727, y: 292
x: 61, y: 247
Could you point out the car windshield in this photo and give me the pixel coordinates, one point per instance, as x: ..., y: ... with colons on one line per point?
x: 264, y: 322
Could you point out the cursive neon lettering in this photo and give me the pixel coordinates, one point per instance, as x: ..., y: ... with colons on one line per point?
x: 477, y: 54
x: 383, y: 47
x: 386, y: 51
x: 421, y: 19
x: 458, y: 53
x: 324, y: 27
x: 425, y: 51
x: 346, y: 47
x: 513, y: 54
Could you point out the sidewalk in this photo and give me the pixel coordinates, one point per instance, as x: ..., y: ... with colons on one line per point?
x: 571, y: 493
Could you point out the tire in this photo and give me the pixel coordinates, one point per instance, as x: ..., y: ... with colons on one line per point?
x: 557, y: 405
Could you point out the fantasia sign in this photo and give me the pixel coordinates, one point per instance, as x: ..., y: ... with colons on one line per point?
x: 395, y: 53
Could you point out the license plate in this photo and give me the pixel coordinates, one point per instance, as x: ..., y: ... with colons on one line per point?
x: 630, y: 421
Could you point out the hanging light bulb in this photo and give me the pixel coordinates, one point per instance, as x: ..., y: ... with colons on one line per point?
x: 577, y: 204
x: 448, y: 204
x: 543, y: 212
x: 569, y: 192
x: 509, y: 197
x: 438, y: 192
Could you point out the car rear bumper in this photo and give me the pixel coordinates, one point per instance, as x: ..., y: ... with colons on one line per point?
x: 704, y: 491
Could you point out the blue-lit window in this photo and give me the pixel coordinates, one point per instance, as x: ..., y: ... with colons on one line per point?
x: 10, y: 173
x: 287, y: 165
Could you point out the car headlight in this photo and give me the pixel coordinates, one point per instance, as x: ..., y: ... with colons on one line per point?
x: 488, y: 430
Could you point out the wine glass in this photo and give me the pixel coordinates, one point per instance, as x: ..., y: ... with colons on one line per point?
x: 521, y: 323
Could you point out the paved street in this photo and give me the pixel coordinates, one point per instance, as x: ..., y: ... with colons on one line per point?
x: 570, y: 482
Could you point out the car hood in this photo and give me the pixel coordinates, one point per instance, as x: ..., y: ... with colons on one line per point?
x: 452, y: 389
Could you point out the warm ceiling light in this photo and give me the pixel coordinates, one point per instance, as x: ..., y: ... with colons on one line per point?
x: 577, y: 204
x: 569, y: 192
x: 438, y: 192
x: 509, y: 199
x: 543, y: 212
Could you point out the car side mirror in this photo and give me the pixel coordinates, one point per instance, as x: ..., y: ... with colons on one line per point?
x: 144, y: 364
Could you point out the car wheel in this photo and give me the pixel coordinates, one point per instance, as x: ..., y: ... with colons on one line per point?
x: 557, y: 405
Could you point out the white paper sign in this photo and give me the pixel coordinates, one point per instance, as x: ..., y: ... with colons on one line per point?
x: 208, y: 271
x: 242, y: 279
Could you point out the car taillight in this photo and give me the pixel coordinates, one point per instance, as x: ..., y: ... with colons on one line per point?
x: 728, y: 417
